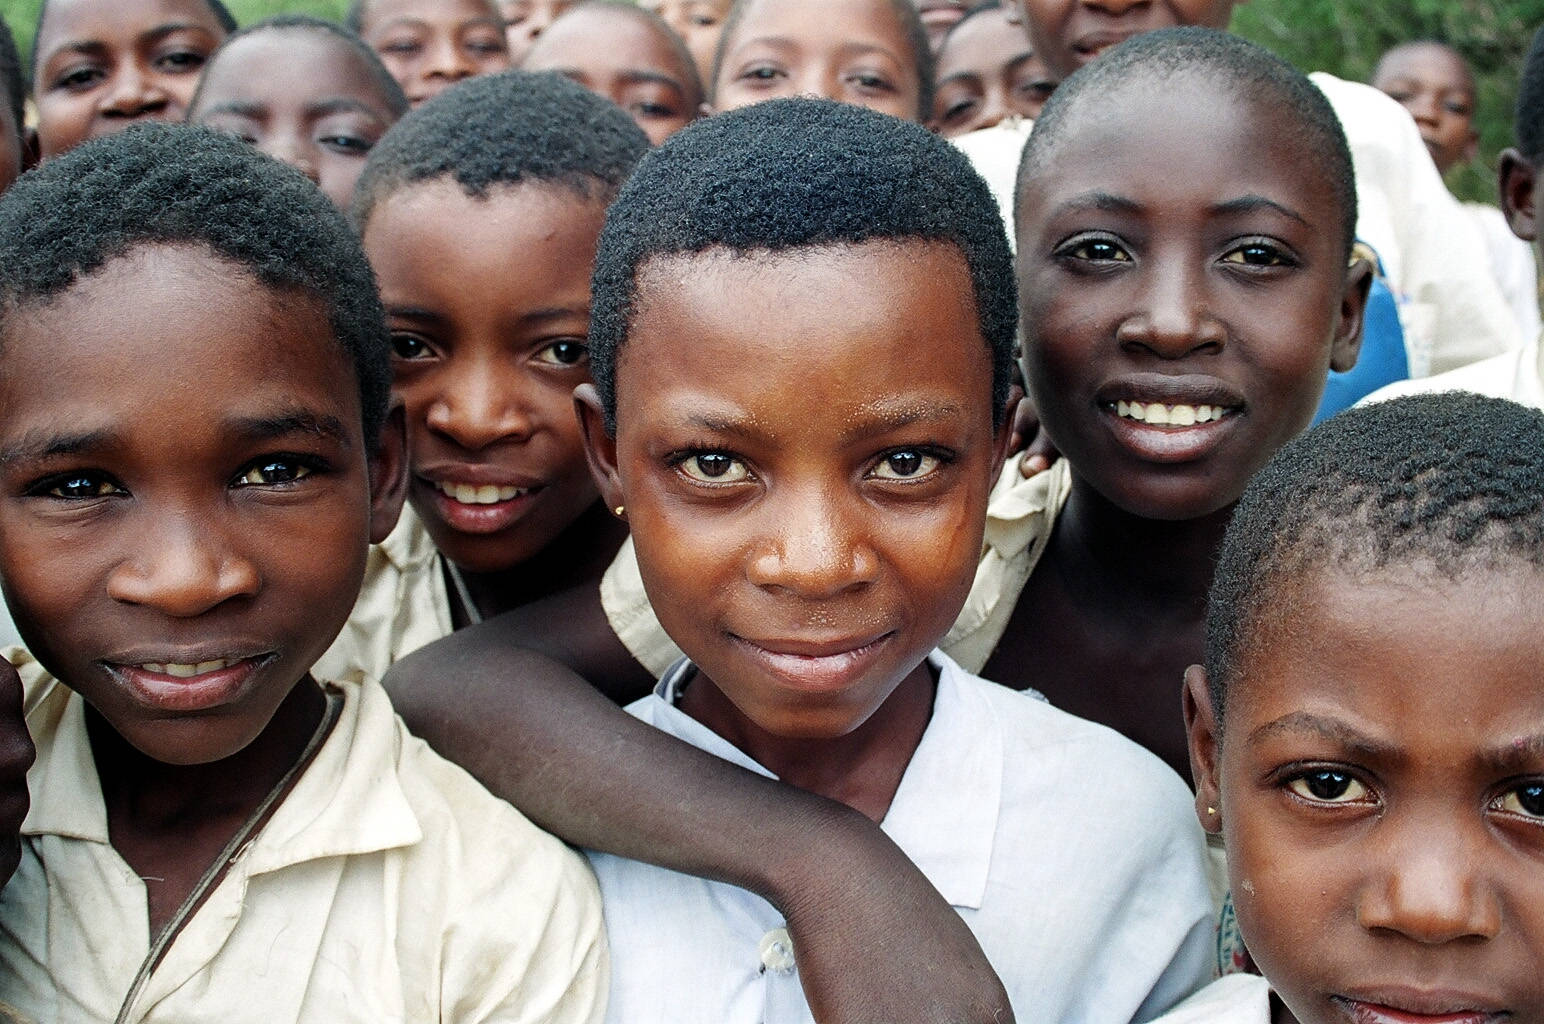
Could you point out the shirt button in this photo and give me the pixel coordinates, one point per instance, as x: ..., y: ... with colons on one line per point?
x: 777, y: 951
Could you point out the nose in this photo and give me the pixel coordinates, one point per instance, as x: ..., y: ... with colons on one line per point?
x: 1430, y: 886
x: 815, y: 547
x: 1423, y: 107
x: 133, y: 93
x: 993, y: 110
x: 185, y: 565
x: 448, y: 60
x: 291, y: 149
x: 1172, y: 319
x: 476, y: 406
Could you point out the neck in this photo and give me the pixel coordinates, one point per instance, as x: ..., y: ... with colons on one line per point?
x: 165, y: 797
x: 577, y: 556
x: 861, y: 769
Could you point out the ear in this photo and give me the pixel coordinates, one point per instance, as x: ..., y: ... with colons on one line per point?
x: 1007, y: 441
x: 600, y: 448
x: 388, y: 474
x: 1348, y: 321
x: 1517, y: 179
x: 1201, y: 729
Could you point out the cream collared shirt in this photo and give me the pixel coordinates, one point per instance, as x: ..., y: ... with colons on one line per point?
x: 1518, y: 376
x: 1236, y: 999
x: 387, y: 887
x: 1019, y: 519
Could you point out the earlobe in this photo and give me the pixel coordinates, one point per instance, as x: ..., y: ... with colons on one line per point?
x: 388, y: 474
x: 1347, y: 344
x: 1201, y: 729
x: 1517, y: 180
x: 600, y: 448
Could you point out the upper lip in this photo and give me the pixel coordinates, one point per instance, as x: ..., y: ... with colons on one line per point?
x: 187, y: 655
x: 477, y: 476
x: 1427, y: 1002
x: 1170, y: 389
x: 808, y: 648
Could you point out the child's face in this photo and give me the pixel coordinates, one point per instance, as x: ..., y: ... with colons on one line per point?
x: 855, y: 51
x: 430, y: 45
x: 1382, y: 796
x: 106, y: 64
x: 986, y: 73
x: 805, y: 468
x: 940, y: 16
x: 185, y: 501
x: 302, y: 97
x: 699, y: 22
x: 1181, y: 253
x: 1434, y: 84
x: 526, y: 20
x: 622, y: 57
x: 488, y: 302
x: 1067, y: 34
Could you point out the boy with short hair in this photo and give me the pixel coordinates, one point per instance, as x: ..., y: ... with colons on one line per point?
x: 193, y: 460
x: 430, y: 45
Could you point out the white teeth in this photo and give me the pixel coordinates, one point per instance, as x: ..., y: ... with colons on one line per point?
x: 185, y: 670
x: 1158, y: 414
x: 487, y: 494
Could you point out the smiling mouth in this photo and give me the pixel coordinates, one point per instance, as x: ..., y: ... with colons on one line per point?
x: 1159, y: 414
x: 1430, y: 1010
x: 479, y: 494
x: 189, y: 686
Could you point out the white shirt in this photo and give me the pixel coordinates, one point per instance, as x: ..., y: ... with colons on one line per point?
x: 1518, y: 376
x: 387, y: 887
x: 1236, y: 999
x: 1513, y: 264
x: 1072, y: 854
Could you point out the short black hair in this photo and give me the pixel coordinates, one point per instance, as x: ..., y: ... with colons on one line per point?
x: 11, y: 78
x: 692, y: 78
x: 795, y: 174
x: 506, y: 129
x: 1306, y: 115
x: 222, y: 15
x: 1528, y: 122
x: 391, y: 91
x: 177, y: 184
x: 1448, y: 482
x: 911, y: 24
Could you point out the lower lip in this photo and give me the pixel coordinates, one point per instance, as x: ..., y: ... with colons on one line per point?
x: 192, y: 693
x: 1169, y: 444
x: 1374, y: 1013
x: 823, y: 673
x: 479, y: 519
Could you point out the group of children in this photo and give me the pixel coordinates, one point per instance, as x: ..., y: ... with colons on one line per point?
x: 692, y: 368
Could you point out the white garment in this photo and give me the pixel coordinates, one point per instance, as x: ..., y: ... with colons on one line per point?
x: 1518, y: 376
x: 1236, y: 999
x: 388, y: 886
x: 1512, y: 263
x: 1072, y: 854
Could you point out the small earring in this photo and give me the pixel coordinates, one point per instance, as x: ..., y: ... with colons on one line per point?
x: 1210, y: 811
x: 620, y: 511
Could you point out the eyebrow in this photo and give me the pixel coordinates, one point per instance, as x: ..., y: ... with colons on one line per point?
x: 43, y: 443
x: 154, y: 35
x: 1332, y: 729
x: 1519, y: 755
x: 271, y: 428
x: 643, y: 76
x: 1254, y: 204
x: 1103, y: 201
x: 876, y: 418
x: 959, y: 76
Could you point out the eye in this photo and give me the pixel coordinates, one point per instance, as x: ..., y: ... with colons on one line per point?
x: 1524, y: 801
x: 760, y: 73
x: 274, y: 470
x: 350, y: 145
x: 402, y: 47
x: 181, y: 62
x: 564, y: 353
x: 1094, y: 250
x: 957, y: 111
x: 906, y: 464
x: 715, y: 468
x: 79, y: 78
x: 79, y: 487
x: 409, y: 346
x: 1328, y: 786
x: 652, y: 110
x: 487, y: 47
x: 871, y: 81
x: 1258, y: 254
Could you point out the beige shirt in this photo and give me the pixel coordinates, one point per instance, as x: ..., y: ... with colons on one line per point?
x: 403, y: 605
x: 387, y: 887
x: 1518, y: 376
x: 1019, y: 519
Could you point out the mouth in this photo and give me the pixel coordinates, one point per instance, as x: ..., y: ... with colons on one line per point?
x: 816, y: 666
x: 1170, y: 418
x: 479, y: 494
x: 1092, y: 45
x: 1418, y: 1008
x: 191, y: 685
x: 476, y: 507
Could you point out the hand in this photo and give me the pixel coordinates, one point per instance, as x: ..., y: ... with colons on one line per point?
x: 1028, y: 437
x: 16, y: 756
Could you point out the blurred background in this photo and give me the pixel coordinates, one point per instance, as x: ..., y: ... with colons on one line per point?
x: 1344, y: 37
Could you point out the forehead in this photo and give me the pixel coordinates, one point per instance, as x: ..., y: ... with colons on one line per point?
x: 73, y: 21
x: 982, y: 42
x: 1432, y: 65
x: 833, y: 23
x: 432, y: 12
x: 604, y: 37
x: 315, y: 66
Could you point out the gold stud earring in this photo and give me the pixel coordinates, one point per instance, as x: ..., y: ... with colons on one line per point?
x: 620, y: 511
x: 1211, y: 811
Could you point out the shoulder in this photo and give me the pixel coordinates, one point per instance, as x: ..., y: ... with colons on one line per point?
x: 1497, y: 377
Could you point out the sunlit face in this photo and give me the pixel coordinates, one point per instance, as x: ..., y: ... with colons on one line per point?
x: 526, y: 20
x: 1067, y: 34
x: 488, y: 303
x: 185, y: 501
x: 1434, y: 84
x: 103, y: 65
x: 805, y: 470
x: 625, y: 58
x: 1184, y: 292
x: 986, y: 72
x: 1382, y: 797
x: 430, y: 45
x: 855, y: 51
x: 303, y: 97
x: 699, y: 22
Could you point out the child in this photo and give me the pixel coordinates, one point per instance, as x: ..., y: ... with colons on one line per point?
x: 1368, y: 732
x: 628, y: 55
x: 99, y: 66
x: 430, y: 45
x: 1433, y: 82
x: 304, y: 91
x: 698, y: 22
x: 873, y: 53
x: 940, y: 17
x: 526, y: 20
x: 13, y: 155
x: 986, y: 73
x: 479, y: 213
x: 194, y: 392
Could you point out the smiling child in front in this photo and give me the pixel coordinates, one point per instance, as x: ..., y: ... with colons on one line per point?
x: 192, y: 465
x: 805, y: 470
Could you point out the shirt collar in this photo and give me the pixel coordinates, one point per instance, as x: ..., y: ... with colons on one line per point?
x: 1020, y: 511
x: 408, y: 544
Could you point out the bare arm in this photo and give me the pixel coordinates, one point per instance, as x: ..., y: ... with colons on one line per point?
x: 876, y: 942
